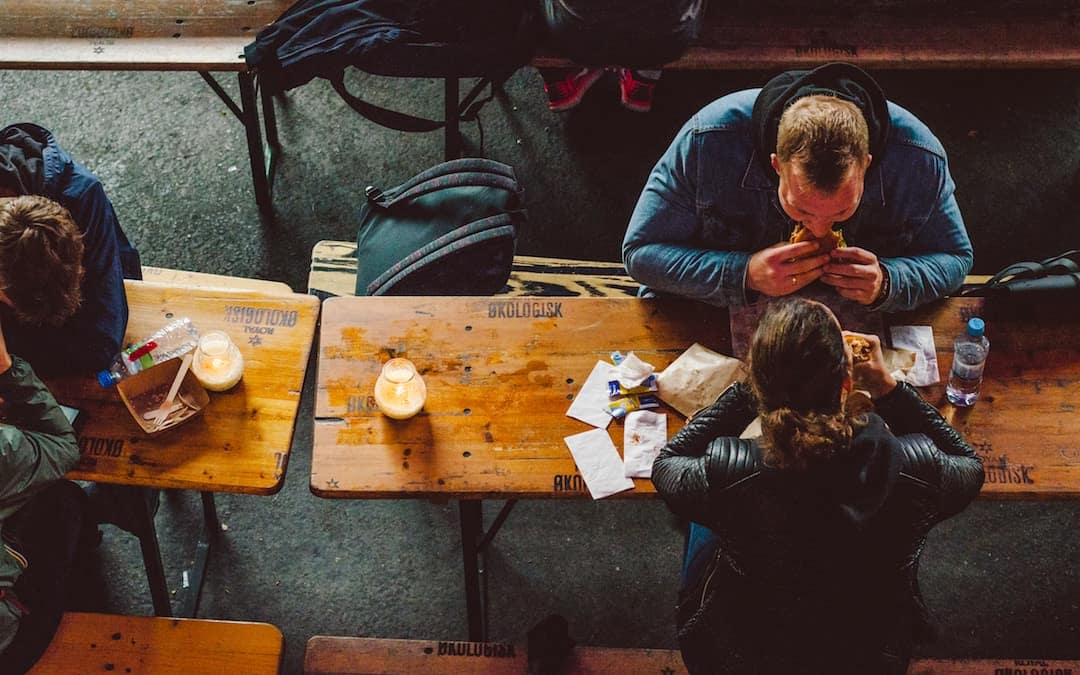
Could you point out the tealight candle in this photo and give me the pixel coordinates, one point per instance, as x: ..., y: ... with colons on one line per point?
x: 400, y: 392
x: 218, y: 364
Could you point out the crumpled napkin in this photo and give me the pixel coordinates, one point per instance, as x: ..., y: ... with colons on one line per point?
x: 697, y: 377
x: 644, y: 436
x: 599, y: 463
x: 632, y: 371
x: 919, y: 339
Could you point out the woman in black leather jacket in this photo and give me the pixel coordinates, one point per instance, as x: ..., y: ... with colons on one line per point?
x: 804, y: 543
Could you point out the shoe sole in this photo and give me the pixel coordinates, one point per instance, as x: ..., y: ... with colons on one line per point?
x: 635, y: 107
x: 573, y: 102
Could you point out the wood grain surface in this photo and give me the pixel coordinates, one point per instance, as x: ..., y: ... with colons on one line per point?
x: 501, y: 373
x: 241, y: 442
x: 141, y: 645
x: 355, y: 655
x: 341, y: 655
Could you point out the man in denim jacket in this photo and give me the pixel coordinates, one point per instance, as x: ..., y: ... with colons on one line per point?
x: 716, y: 214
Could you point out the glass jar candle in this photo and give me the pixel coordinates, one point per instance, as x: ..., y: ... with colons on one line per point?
x: 218, y: 363
x: 400, y: 391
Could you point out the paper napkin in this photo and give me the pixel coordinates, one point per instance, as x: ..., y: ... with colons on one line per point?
x: 599, y: 463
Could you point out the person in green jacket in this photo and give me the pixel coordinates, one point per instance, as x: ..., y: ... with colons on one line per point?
x: 40, y: 513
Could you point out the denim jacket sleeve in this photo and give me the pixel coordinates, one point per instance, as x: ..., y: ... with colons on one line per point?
x: 924, y: 277
x: 662, y: 248
x: 937, y: 254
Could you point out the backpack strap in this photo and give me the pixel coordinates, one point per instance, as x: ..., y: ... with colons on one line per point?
x: 385, y: 117
x: 441, y: 181
x: 1066, y: 263
x: 392, y: 119
x: 491, y: 227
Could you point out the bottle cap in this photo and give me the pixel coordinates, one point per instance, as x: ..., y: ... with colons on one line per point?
x: 976, y: 327
x: 105, y: 379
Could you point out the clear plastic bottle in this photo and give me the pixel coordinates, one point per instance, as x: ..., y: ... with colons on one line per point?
x: 175, y: 338
x: 969, y: 357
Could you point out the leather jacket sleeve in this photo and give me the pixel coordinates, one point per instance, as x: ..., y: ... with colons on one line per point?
x: 935, y: 453
x: 681, y: 471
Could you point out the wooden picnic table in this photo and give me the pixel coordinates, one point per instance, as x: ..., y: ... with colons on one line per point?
x: 240, y: 443
x: 501, y: 373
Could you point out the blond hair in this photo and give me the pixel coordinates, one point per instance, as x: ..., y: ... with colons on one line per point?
x: 826, y: 136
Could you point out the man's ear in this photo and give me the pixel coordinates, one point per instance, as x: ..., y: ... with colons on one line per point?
x: 775, y: 161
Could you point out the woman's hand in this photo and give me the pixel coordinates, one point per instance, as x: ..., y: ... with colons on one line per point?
x: 871, y: 375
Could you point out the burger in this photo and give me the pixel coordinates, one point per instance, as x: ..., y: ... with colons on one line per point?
x: 861, y: 348
x: 834, y: 238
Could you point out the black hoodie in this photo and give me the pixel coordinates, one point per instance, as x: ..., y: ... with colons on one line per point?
x: 841, y: 80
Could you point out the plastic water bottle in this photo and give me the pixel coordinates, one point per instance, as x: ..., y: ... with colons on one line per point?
x: 174, y: 339
x: 969, y: 357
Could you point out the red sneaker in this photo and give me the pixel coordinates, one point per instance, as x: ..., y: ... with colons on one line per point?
x: 637, y: 91
x: 567, y: 93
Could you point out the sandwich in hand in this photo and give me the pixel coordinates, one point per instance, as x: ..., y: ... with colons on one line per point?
x: 834, y: 239
x: 861, y: 349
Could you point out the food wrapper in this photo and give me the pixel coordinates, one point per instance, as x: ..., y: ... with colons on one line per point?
x: 899, y: 362
x: 697, y: 377
x: 918, y: 339
x: 632, y: 371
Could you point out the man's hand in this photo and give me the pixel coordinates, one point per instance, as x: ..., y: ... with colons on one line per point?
x: 785, y: 268
x: 871, y: 375
x: 855, y: 274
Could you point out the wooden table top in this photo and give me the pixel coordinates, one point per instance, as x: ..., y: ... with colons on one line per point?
x: 501, y: 372
x: 241, y: 441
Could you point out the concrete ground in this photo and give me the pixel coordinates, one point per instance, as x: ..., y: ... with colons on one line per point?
x: 1001, y: 579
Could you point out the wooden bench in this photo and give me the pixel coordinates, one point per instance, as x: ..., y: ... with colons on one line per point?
x: 107, y: 643
x: 163, y: 275
x: 203, y: 36
x: 341, y: 655
x: 333, y: 273
x: 956, y: 34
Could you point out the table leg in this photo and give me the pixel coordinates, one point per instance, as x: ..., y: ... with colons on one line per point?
x: 151, y: 553
x: 210, y: 531
x: 256, y: 153
x: 472, y: 529
x: 452, y: 130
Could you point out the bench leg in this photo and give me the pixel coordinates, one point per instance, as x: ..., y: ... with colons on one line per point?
x: 193, y: 582
x: 151, y: 553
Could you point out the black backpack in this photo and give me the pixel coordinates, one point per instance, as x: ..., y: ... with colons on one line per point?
x: 450, y: 230
x: 398, y: 38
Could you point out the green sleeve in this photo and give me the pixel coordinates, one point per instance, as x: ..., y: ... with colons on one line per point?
x: 37, y: 443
